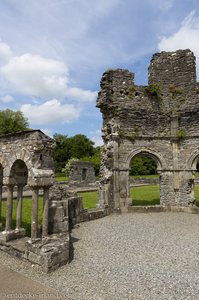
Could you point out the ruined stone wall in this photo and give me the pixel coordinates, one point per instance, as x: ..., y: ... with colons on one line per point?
x: 32, y: 147
x: 160, y: 120
x: 82, y: 172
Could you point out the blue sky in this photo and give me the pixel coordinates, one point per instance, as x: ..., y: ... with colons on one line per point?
x: 53, y: 53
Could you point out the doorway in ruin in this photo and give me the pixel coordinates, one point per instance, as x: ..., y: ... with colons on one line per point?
x: 195, y: 183
x: 2, y: 219
x: 144, y: 179
x: 84, y: 174
x: 18, y: 180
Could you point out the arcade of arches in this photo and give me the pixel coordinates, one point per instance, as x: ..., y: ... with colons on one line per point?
x: 25, y: 160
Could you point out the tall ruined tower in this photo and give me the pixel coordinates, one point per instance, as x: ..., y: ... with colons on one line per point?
x: 160, y: 120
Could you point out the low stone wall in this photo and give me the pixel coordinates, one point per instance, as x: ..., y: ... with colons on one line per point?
x: 160, y: 208
x: 151, y: 181
x: 144, y: 181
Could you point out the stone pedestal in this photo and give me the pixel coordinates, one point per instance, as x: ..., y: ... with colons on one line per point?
x: 50, y: 252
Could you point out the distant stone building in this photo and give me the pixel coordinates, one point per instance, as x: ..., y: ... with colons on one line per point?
x: 160, y: 120
x: 82, y: 172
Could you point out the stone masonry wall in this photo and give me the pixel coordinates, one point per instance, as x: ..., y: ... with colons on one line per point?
x: 159, y: 120
x: 82, y: 172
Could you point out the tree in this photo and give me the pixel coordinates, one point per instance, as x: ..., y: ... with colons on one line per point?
x: 12, y: 121
x: 77, y: 146
x: 81, y: 146
x: 95, y: 159
x: 62, y: 151
x: 143, y: 165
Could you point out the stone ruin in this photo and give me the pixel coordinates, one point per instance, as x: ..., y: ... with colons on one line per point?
x: 26, y: 165
x: 26, y: 160
x: 159, y: 120
x: 82, y: 173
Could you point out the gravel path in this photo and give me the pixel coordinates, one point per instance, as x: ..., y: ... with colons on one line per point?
x: 130, y: 256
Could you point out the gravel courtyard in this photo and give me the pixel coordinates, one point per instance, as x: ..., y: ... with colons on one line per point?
x: 129, y: 256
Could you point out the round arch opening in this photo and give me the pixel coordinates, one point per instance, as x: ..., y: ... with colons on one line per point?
x: 195, y: 185
x: 144, y: 180
x: 18, y: 173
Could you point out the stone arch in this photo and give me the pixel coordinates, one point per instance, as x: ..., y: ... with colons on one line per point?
x: 191, y: 180
x: 18, y: 176
x: 192, y: 161
x: 124, y: 181
x: 18, y: 173
x: 148, y: 152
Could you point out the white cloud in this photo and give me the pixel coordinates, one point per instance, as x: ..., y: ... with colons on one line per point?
x: 5, y: 54
x: 83, y: 95
x: 47, y: 131
x: 96, y: 137
x: 185, y: 37
x: 7, y: 99
x: 163, y: 5
x: 36, y: 76
x: 50, y: 112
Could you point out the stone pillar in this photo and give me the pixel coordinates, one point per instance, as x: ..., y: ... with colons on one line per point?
x: 45, y: 212
x: 9, y: 207
x: 125, y: 198
x: 34, y: 222
x: 19, y: 206
x: 116, y: 183
x: 1, y: 187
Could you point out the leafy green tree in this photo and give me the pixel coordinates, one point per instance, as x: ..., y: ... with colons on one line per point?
x: 95, y: 159
x: 143, y: 165
x: 12, y: 121
x: 62, y: 151
x: 81, y: 146
x: 67, y: 147
x: 67, y: 167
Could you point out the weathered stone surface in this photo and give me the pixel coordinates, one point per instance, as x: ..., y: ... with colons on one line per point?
x: 65, y: 208
x: 82, y: 173
x: 49, y: 252
x: 32, y: 147
x: 12, y: 234
x: 162, y: 124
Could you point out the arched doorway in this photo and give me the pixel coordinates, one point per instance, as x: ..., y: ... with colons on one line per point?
x: 147, y: 156
x: 2, y: 221
x: 144, y: 180
x: 193, y: 182
x: 18, y: 177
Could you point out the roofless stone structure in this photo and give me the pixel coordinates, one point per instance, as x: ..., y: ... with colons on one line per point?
x: 25, y: 159
x: 160, y: 120
x: 26, y: 163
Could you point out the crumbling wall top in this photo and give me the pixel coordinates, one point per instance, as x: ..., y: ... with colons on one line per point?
x: 173, y: 68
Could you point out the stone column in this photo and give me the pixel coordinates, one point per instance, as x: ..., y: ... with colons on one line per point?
x: 19, y: 206
x: 9, y: 207
x: 45, y: 212
x: 1, y: 187
x: 34, y: 222
x: 116, y: 182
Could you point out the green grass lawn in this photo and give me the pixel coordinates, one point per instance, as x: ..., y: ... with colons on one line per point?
x: 90, y: 199
x: 145, y: 195
x: 61, y: 177
x: 26, y: 213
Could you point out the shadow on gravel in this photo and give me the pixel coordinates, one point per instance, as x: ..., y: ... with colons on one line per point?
x: 71, y: 248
